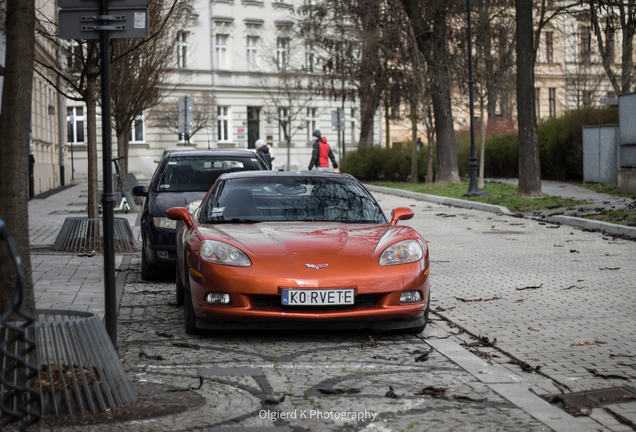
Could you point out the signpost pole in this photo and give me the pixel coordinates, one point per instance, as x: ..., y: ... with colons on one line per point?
x: 108, y: 200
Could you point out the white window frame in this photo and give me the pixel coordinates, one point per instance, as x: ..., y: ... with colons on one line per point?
x: 537, y: 102
x: 73, y: 140
x: 182, y: 50
x: 552, y: 102
x: 138, y: 126
x: 282, y: 53
x: 310, y: 58
x: 311, y: 123
x: 223, y: 123
x: 221, y: 51
x: 282, y: 116
x: 252, y: 53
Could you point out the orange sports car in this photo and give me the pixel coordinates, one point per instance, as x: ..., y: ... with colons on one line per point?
x: 271, y: 250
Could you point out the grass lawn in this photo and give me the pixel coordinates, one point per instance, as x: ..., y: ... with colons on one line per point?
x: 502, y: 194
x: 622, y: 217
x: 607, y: 188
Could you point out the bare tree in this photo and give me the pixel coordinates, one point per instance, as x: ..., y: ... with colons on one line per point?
x: 140, y: 69
x: 166, y: 114
x: 289, y: 89
x: 608, y: 19
x: 15, y: 124
x: 430, y: 22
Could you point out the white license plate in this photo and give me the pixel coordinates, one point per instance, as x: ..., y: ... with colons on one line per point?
x: 317, y: 297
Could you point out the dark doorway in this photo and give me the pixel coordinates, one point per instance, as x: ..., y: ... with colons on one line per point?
x: 252, y: 126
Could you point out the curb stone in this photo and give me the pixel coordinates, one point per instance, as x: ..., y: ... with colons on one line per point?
x: 606, y: 227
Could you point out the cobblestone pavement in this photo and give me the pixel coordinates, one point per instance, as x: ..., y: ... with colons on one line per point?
x: 243, y: 370
x: 546, y: 290
x: 543, y: 289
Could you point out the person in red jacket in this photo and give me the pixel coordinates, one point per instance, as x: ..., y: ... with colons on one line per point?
x: 321, y: 154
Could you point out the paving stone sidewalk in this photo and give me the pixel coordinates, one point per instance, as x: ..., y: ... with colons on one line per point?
x: 63, y: 280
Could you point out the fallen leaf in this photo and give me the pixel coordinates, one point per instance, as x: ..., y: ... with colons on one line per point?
x: 529, y: 287
x: 339, y: 391
x: 530, y: 328
x: 432, y: 391
x: 373, y: 343
x: 591, y: 342
x: 520, y: 301
x: 391, y: 394
x: 609, y: 268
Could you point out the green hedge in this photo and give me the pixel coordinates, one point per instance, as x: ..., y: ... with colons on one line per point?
x: 375, y: 163
x: 560, y: 150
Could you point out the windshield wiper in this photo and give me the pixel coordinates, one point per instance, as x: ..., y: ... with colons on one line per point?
x: 238, y: 220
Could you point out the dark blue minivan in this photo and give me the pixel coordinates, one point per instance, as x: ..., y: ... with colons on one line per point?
x: 181, y: 177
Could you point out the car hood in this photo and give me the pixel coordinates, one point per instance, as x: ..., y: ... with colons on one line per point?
x: 308, y: 238
x: 160, y: 202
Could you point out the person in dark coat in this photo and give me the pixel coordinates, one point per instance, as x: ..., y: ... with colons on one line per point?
x: 321, y: 154
x: 419, y: 143
x: 262, y: 150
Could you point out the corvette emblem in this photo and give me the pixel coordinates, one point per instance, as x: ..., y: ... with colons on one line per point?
x: 316, y: 266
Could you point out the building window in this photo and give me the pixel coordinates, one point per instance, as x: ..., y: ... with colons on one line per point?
x: 282, y: 123
x: 221, y: 51
x: 586, y: 44
x: 552, y: 101
x: 252, y: 53
x: 137, y: 131
x: 182, y: 50
x: 282, y: 52
x: 311, y: 123
x: 587, y: 98
x: 610, y: 42
x: 75, y: 125
x: 537, y: 102
x: 223, y: 123
x: 310, y: 58
x: 549, y: 52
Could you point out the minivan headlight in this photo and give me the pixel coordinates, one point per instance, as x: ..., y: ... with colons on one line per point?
x: 164, y: 222
x: 403, y: 252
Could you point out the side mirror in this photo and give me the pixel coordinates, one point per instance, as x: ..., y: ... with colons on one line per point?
x: 179, y: 214
x: 140, y: 191
x: 400, y: 213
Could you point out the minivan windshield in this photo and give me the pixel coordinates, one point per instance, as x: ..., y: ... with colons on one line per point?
x: 198, y: 174
x: 291, y: 198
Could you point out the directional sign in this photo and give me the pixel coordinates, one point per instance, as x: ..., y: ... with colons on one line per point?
x: 96, y: 4
x: 87, y: 23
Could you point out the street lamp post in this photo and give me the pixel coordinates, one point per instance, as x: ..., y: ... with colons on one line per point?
x: 473, y: 187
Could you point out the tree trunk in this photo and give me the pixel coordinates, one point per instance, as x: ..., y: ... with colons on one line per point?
x: 368, y: 105
x: 123, y: 139
x: 529, y: 163
x: 91, y: 144
x: 387, y: 118
x: 628, y: 47
x: 430, y: 138
x: 433, y: 46
x: 414, y: 138
x: 482, y: 152
x: 15, y: 124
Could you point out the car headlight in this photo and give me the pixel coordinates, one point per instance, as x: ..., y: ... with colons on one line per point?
x: 222, y: 253
x: 164, y: 222
x: 406, y: 251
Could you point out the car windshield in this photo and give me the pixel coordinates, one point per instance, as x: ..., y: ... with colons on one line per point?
x: 198, y: 174
x: 291, y: 198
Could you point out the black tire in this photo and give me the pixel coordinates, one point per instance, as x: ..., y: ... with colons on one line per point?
x: 147, y: 273
x: 190, y: 318
x: 179, y: 291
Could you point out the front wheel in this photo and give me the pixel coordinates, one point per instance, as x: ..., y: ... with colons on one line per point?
x: 146, y: 271
x: 190, y: 318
